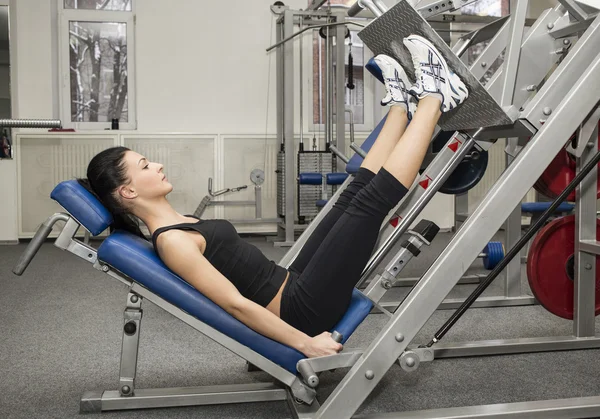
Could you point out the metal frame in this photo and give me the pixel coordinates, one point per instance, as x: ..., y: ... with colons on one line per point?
x: 286, y: 103
x: 568, y: 101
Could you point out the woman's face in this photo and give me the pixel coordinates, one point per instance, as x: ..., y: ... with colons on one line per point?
x: 147, y: 178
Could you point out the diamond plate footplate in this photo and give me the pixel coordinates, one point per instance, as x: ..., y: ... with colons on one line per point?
x: 385, y: 35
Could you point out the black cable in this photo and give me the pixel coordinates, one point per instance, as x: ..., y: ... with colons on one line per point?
x: 515, y: 250
x: 350, y: 85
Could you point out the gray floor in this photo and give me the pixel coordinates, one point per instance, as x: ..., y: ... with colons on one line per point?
x: 60, y: 328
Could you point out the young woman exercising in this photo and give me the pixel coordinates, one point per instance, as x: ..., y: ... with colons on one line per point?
x: 294, y: 306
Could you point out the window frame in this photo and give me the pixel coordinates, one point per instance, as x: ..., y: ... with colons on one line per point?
x: 369, y: 91
x: 65, y: 17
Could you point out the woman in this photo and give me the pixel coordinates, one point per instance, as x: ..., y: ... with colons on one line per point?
x: 294, y: 306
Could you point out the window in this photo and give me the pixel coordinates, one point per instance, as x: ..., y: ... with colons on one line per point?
x: 97, y: 67
x: 355, y: 91
x: 115, y: 5
x: 487, y: 8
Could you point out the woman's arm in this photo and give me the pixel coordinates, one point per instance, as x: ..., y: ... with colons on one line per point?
x: 182, y: 255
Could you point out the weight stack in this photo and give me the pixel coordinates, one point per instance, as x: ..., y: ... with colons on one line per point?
x: 281, y: 183
x: 312, y: 162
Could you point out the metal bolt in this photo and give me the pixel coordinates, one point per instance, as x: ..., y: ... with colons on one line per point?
x: 105, y: 268
x: 567, y: 42
x: 134, y: 299
x: 399, y: 337
x: 550, y: 26
x: 410, y: 362
x: 369, y: 375
x: 484, y: 64
x: 590, y: 144
x: 547, y: 111
x: 531, y: 87
x: 125, y: 389
x: 386, y: 284
x: 588, y: 266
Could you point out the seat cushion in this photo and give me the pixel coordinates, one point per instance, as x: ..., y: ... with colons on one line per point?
x: 136, y: 258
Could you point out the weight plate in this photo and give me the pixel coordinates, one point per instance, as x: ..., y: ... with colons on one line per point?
x: 550, y: 267
x: 495, y: 253
x: 560, y: 173
x: 468, y: 173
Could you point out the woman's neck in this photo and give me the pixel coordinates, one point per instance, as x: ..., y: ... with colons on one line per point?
x: 159, y: 213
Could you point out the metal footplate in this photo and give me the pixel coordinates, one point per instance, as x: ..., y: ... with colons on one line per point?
x: 385, y: 35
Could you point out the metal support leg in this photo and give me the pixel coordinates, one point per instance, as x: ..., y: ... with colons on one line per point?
x: 340, y: 87
x: 130, y: 346
x: 585, y: 223
x: 461, y: 209
x: 512, y: 233
x: 288, y: 131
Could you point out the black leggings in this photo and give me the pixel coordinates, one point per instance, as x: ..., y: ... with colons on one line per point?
x: 331, y: 262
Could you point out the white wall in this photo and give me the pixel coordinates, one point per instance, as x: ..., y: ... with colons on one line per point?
x: 201, y: 67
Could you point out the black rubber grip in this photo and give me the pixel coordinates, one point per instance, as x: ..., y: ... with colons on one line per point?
x: 355, y: 9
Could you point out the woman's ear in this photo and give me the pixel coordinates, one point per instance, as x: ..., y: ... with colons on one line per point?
x: 127, y: 192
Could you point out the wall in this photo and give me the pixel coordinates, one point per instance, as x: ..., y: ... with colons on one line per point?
x: 201, y: 67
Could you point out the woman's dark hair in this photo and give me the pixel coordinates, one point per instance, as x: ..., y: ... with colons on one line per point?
x: 105, y: 173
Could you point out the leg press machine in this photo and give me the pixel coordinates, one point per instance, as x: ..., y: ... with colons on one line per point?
x: 517, y: 104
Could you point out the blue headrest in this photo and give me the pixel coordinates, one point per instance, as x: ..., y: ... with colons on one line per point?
x: 336, y: 178
x: 310, y: 179
x: 374, y: 69
x: 83, y: 206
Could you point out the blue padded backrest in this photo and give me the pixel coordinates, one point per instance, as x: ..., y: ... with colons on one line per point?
x: 83, y: 206
x: 356, y: 160
x: 310, y: 179
x: 336, y: 178
x: 136, y: 258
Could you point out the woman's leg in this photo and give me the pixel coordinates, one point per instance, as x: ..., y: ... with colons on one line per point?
x: 390, y: 134
x: 402, y: 107
x: 317, y: 299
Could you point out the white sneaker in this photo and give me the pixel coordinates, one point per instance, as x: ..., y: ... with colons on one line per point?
x: 433, y: 75
x: 397, y: 84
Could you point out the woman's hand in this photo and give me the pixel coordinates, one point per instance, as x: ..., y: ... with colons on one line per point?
x: 321, y: 345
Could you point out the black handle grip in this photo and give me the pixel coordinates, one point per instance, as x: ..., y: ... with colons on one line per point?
x: 355, y: 9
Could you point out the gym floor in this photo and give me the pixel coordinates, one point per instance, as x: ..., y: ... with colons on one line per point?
x: 61, y: 335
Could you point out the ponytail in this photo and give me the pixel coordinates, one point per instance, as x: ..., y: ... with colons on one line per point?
x: 105, y: 173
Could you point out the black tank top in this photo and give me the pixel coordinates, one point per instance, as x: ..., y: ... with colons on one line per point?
x: 256, y: 277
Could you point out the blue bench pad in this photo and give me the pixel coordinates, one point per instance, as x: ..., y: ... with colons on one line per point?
x: 535, y: 207
x: 136, y: 258
x: 83, y: 206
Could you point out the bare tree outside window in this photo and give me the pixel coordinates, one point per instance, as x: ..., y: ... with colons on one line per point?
x: 487, y: 8
x: 98, y: 67
x: 109, y: 5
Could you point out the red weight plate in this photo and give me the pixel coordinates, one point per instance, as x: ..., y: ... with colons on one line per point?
x: 549, y: 262
x: 541, y: 187
x: 560, y: 173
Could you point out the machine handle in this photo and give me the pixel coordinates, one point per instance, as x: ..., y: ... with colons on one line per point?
x: 337, y: 336
x: 355, y: 9
x: 40, y: 236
